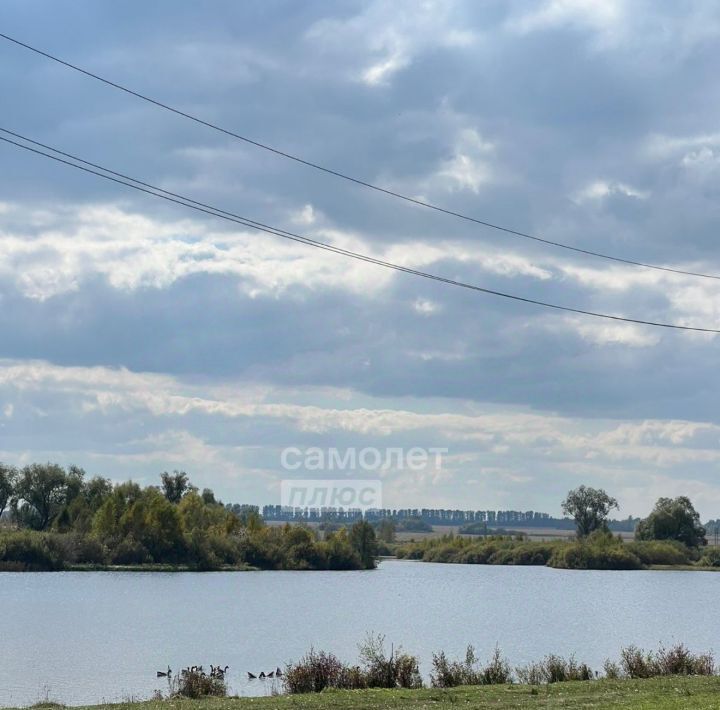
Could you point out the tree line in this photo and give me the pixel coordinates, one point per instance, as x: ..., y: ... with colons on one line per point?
x: 431, y: 516
x: 61, y: 518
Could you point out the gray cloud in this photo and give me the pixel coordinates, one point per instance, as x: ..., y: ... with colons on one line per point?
x: 587, y: 123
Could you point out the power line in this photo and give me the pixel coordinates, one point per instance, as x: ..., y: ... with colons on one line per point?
x: 179, y: 199
x: 350, y: 178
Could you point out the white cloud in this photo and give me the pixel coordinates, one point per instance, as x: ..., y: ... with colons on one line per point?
x: 600, y: 189
x: 469, y: 168
x: 603, y: 16
x: 700, y: 158
x: 384, y: 38
x: 379, y: 73
x: 509, y: 444
x: 426, y: 307
x: 103, y: 390
x: 307, y: 216
x: 660, y: 146
x: 608, y: 333
x: 134, y: 252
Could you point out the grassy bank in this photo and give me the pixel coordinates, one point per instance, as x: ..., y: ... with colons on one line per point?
x: 653, y: 693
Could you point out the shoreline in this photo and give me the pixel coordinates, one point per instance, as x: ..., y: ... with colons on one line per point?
x: 167, y: 568
x: 666, y: 693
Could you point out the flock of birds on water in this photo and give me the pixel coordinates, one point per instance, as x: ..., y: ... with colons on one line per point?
x: 277, y: 673
x: 218, y: 672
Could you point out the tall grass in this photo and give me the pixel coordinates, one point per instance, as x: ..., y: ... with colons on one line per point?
x: 553, y: 669
x: 196, y: 684
x: 318, y: 670
x: 676, y: 660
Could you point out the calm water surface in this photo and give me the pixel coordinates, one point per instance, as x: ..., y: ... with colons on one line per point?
x: 85, y: 637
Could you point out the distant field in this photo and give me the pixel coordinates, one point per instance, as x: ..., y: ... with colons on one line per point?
x: 541, y: 534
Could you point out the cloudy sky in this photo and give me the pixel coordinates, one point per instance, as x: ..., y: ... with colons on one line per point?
x: 137, y: 336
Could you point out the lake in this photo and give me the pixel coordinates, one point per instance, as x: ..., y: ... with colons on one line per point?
x: 87, y: 637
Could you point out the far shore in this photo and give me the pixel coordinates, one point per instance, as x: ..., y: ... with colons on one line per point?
x: 248, y: 568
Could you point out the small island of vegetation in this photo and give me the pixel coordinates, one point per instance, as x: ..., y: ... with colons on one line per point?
x: 671, y: 536
x: 59, y: 519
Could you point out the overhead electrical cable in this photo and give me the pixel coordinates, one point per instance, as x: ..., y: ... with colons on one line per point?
x: 145, y: 187
x: 350, y: 178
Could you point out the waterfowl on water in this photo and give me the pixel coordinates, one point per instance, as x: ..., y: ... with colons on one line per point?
x: 161, y: 674
x: 271, y: 674
x: 262, y: 674
x: 218, y: 672
x: 278, y: 672
x: 251, y: 676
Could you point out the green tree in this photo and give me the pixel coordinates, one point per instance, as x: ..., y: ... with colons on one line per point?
x: 40, y: 494
x: 363, y: 541
x: 163, y: 534
x: 8, y: 475
x: 208, y: 497
x: 589, y: 507
x: 340, y: 553
x: 106, y: 521
x: 175, y: 485
x: 673, y: 519
x: 386, y: 530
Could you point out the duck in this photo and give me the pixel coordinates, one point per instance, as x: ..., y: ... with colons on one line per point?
x: 251, y: 676
x: 271, y: 674
x: 278, y: 672
x: 164, y: 674
x: 262, y: 674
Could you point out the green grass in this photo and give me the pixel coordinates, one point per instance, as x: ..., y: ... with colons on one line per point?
x: 669, y: 693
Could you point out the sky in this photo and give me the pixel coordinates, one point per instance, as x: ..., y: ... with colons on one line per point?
x: 137, y: 336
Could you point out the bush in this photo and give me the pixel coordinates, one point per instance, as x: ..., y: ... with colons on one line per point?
x: 660, y: 552
x: 398, y: 670
x: 90, y: 551
x: 531, y: 674
x: 603, y: 552
x: 494, y: 550
x: 449, y: 674
x: 496, y: 671
x: 407, y: 671
x: 130, y: 552
x: 612, y: 670
x: 29, y: 551
x: 527, y: 553
x: 676, y: 660
x: 554, y: 669
x: 711, y: 558
x: 317, y: 671
x: 196, y: 684
x: 446, y: 553
x: 74, y: 548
